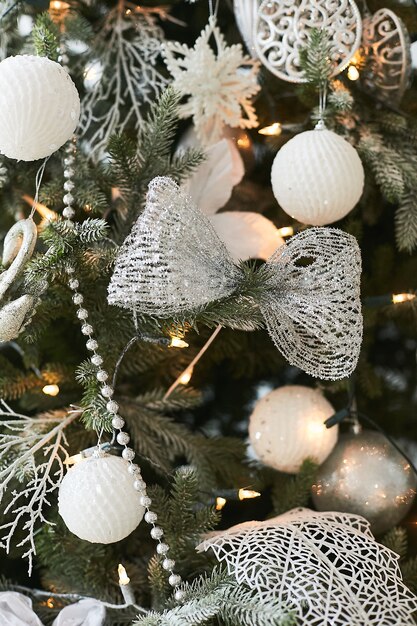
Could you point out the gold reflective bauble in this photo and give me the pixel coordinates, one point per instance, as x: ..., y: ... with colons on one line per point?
x: 366, y: 475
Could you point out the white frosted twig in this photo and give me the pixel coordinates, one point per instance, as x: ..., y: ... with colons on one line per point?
x: 22, y: 439
x: 128, y: 46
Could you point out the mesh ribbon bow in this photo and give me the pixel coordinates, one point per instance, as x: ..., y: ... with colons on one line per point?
x: 173, y: 263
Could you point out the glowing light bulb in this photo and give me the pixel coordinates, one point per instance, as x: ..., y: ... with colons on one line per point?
x: 220, y: 502
x: 244, y: 142
x: 50, y: 390
x: 186, y: 376
x: 271, y: 131
x: 285, y: 231
x: 177, y: 342
x: 246, y: 494
x: 123, y: 577
x: 353, y: 72
x: 72, y: 460
x: 46, y: 213
x: 397, y: 298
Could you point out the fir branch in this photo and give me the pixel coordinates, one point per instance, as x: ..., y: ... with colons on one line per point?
x: 315, y: 58
x: 45, y: 36
x: 406, y: 223
x: 292, y: 492
x: 396, y: 540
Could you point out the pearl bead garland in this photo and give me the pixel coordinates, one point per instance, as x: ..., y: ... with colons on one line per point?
x: 107, y: 390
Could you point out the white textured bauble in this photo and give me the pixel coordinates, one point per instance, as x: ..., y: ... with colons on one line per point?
x: 287, y: 427
x: 317, y: 177
x: 97, y: 500
x: 39, y: 107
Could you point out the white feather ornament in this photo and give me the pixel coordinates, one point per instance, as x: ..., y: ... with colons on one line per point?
x: 324, y: 567
x: 246, y: 235
x: 39, y: 107
x: 97, y: 500
x: 211, y: 184
x: 317, y: 177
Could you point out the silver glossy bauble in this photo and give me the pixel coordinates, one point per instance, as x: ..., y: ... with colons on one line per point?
x: 366, y: 475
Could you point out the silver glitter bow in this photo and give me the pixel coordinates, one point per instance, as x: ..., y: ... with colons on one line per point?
x: 173, y: 262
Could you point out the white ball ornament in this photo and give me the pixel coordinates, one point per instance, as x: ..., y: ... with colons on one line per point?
x: 97, y: 500
x: 317, y: 177
x: 39, y: 107
x: 287, y: 427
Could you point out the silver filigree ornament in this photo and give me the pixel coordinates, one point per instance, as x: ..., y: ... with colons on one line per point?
x: 324, y: 567
x: 18, y: 248
x: 387, y: 51
x: 174, y: 263
x: 283, y: 26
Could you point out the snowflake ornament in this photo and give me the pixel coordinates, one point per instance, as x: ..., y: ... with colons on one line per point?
x: 218, y: 84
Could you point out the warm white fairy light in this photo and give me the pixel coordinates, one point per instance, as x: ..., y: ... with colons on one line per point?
x: 246, y: 494
x: 353, y: 72
x: 186, y: 376
x: 47, y: 214
x: 50, y: 390
x: 220, y: 503
x: 274, y: 130
x: 125, y: 587
x: 123, y: 577
x: 398, y: 298
x: 285, y: 231
x: 177, y: 342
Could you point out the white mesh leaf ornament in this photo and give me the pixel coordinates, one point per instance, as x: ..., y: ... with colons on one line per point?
x: 218, y: 83
x: 313, y: 310
x: 173, y: 262
x: 325, y: 567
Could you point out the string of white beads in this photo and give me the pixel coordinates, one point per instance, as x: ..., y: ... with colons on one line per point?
x: 107, y: 390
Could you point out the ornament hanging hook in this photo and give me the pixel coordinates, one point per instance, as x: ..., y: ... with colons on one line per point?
x: 38, y: 182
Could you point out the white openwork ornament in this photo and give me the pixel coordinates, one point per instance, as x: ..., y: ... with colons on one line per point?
x: 283, y: 26
x: 386, y: 46
x: 325, y: 567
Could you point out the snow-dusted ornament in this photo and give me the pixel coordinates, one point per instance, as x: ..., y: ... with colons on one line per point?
x: 324, y: 567
x: 218, y: 83
x: 173, y: 263
x: 287, y: 427
x: 126, y: 77
x: 387, y: 66
x: 39, y: 107
x: 245, y: 14
x: 317, y: 177
x: 367, y: 476
x: 98, y: 501
x: 18, y: 247
x: 282, y: 29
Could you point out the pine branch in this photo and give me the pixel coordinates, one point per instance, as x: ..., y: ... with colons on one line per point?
x: 45, y: 36
x: 290, y: 493
x: 406, y: 223
x: 315, y: 58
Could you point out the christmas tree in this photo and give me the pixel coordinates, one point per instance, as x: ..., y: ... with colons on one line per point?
x: 207, y: 313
